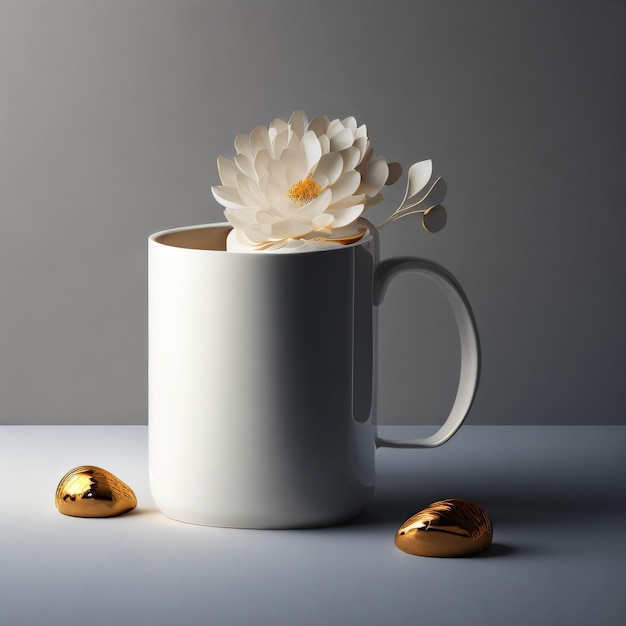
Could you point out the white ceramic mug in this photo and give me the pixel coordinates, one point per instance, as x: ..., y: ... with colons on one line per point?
x: 262, y: 378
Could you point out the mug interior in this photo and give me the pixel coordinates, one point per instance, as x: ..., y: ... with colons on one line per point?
x: 212, y: 237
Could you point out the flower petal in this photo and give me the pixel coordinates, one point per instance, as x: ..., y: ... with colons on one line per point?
x: 341, y: 140
x: 333, y: 128
x: 264, y: 217
x: 319, y: 125
x: 294, y: 139
x: 298, y: 121
x: 228, y: 197
x: 227, y: 171
x: 316, y: 206
x: 324, y: 143
x: 289, y: 228
x: 260, y: 139
x: 244, y: 219
x: 374, y: 173
x: 296, y: 163
x: 331, y: 166
x: 346, y: 216
x: 323, y: 222
x: 244, y: 164
x: 346, y: 185
x: 362, y: 144
x: 280, y: 173
x: 272, y: 189
x: 250, y: 193
x: 254, y: 235
x: 242, y: 145
x: 277, y: 126
x: 351, y: 157
x: 347, y: 202
x: 350, y: 122
x: 237, y: 241
x: 261, y: 162
x: 310, y: 145
x: 321, y: 180
x: 279, y: 143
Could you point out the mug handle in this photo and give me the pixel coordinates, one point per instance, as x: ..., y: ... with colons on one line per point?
x: 468, y: 333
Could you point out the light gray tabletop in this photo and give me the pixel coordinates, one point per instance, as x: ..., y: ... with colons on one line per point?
x: 556, y: 496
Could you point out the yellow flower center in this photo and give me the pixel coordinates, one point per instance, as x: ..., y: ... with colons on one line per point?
x: 304, y: 191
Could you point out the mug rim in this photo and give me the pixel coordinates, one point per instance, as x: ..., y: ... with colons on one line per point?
x: 227, y: 227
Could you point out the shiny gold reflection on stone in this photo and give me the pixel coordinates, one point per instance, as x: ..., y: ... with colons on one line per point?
x: 89, y: 491
x: 447, y: 528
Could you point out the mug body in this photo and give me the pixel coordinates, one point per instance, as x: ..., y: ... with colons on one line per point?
x: 261, y: 394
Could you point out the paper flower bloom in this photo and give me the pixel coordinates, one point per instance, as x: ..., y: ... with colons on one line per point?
x: 300, y: 185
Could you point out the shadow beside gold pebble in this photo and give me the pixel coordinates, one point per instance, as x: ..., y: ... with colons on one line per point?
x: 448, y: 528
x: 89, y: 491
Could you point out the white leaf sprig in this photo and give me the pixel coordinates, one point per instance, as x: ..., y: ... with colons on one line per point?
x: 422, y: 196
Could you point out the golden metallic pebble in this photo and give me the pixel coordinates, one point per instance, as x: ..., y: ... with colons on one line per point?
x: 446, y: 528
x: 89, y: 491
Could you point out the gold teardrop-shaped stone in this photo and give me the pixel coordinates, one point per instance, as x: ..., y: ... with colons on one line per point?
x: 89, y: 491
x: 446, y: 528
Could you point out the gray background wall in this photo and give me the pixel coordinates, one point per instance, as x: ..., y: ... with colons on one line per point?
x: 112, y: 115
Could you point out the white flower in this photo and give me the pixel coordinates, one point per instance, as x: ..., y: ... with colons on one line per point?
x: 299, y: 184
